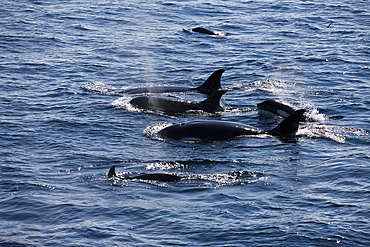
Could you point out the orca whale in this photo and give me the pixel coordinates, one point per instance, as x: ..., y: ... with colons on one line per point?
x: 275, y: 108
x: 154, y: 176
x: 207, y: 31
x: 173, y: 107
x: 223, y: 130
x: 212, y: 84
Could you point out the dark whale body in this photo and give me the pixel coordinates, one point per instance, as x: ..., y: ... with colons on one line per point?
x: 154, y: 176
x: 212, y: 84
x: 173, y: 107
x: 223, y: 130
x: 207, y: 31
x: 275, y: 108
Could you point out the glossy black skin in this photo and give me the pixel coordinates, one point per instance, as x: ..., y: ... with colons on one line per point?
x: 207, y: 130
x: 207, y: 31
x: 273, y: 107
x: 203, y: 30
x: 175, y: 107
x: 211, y: 85
x: 223, y: 130
x: 154, y: 176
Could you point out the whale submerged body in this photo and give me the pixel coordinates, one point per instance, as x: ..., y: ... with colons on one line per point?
x: 211, y: 85
x: 154, y: 176
x: 173, y: 107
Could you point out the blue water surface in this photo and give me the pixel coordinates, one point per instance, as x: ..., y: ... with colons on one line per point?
x: 62, y: 128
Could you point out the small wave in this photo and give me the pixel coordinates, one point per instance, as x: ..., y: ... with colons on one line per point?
x: 124, y: 103
x: 167, y: 165
x: 80, y: 27
x: 229, y: 111
x: 268, y: 86
x: 97, y: 88
x: 335, y: 133
x: 231, y: 178
x: 184, y: 165
x: 274, y: 83
x: 152, y: 131
x: 322, y: 132
x: 275, y: 86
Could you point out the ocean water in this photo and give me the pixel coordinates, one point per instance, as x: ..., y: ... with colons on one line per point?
x: 62, y: 129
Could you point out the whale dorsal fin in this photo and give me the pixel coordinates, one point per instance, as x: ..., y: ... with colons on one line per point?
x: 289, y: 126
x: 215, y: 98
x: 213, y: 82
x: 112, y: 171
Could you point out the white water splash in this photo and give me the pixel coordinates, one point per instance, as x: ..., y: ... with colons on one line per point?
x: 97, y: 88
x: 152, y: 131
x: 313, y: 115
x: 335, y: 133
x: 124, y: 103
x: 164, y: 165
x: 323, y: 131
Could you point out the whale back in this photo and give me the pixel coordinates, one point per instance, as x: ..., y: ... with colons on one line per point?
x: 206, y: 130
x: 172, y: 106
x: 276, y: 108
x: 203, y: 30
x: 158, y: 177
x: 154, y: 176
